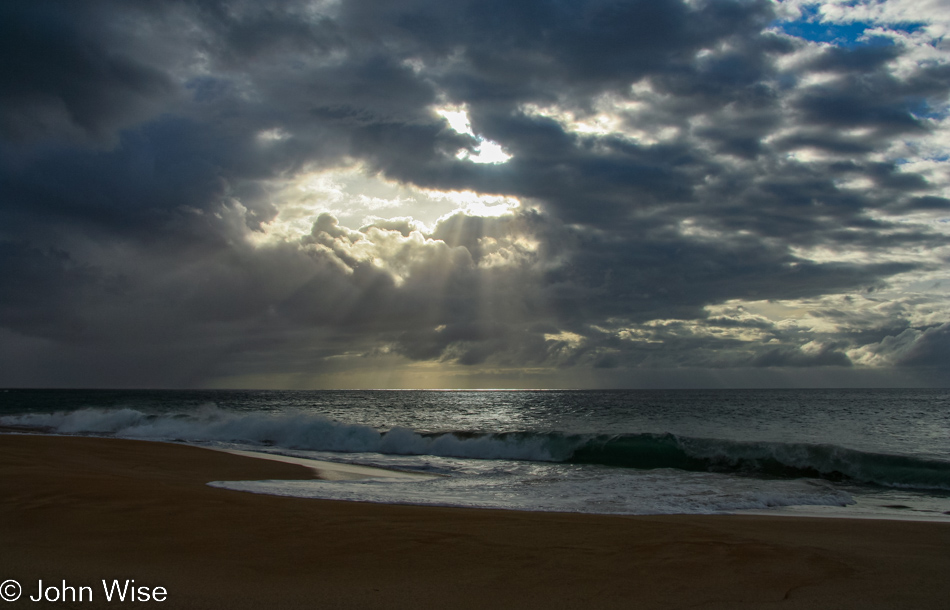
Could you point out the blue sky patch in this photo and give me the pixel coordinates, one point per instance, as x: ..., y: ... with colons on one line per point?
x: 810, y: 27
x: 922, y: 109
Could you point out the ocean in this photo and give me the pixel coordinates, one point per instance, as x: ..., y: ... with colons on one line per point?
x: 850, y: 453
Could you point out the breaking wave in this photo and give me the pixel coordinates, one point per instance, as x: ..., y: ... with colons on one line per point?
x: 302, y: 430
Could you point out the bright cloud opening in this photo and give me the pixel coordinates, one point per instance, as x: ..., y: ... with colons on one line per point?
x: 486, y: 152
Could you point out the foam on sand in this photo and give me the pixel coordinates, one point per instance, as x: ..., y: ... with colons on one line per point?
x: 334, y: 471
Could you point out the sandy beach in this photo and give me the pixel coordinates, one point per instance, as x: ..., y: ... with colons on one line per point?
x: 81, y: 510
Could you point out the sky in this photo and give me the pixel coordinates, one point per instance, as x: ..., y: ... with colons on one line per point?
x: 474, y: 194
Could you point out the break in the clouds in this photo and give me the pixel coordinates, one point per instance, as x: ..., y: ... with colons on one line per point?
x: 597, y: 193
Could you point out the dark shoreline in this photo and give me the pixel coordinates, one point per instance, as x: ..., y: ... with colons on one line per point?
x: 86, y: 509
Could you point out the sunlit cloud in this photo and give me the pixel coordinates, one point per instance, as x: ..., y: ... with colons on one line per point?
x: 486, y: 151
x: 272, y: 135
x: 358, y: 198
x: 457, y: 118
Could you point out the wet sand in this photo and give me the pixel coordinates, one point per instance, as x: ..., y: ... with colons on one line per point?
x: 83, y: 510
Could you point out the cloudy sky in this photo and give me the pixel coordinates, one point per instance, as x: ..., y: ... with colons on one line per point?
x: 476, y: 193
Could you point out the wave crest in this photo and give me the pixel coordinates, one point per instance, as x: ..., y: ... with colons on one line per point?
x: 302, y: 430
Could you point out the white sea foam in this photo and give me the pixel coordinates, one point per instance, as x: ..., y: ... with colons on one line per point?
x: 567, y: 488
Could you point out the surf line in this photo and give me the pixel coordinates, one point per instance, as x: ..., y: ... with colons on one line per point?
x: 336, y: 471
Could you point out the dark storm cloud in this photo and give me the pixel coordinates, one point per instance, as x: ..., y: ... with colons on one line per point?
x: 796, y: 357
x: 930, y: 349
x: 39, y: 290
x: 141, y: 143
x: 60, y: 77
x: 849, y: 106
x: 928, y: 203
x: 855, y: 59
